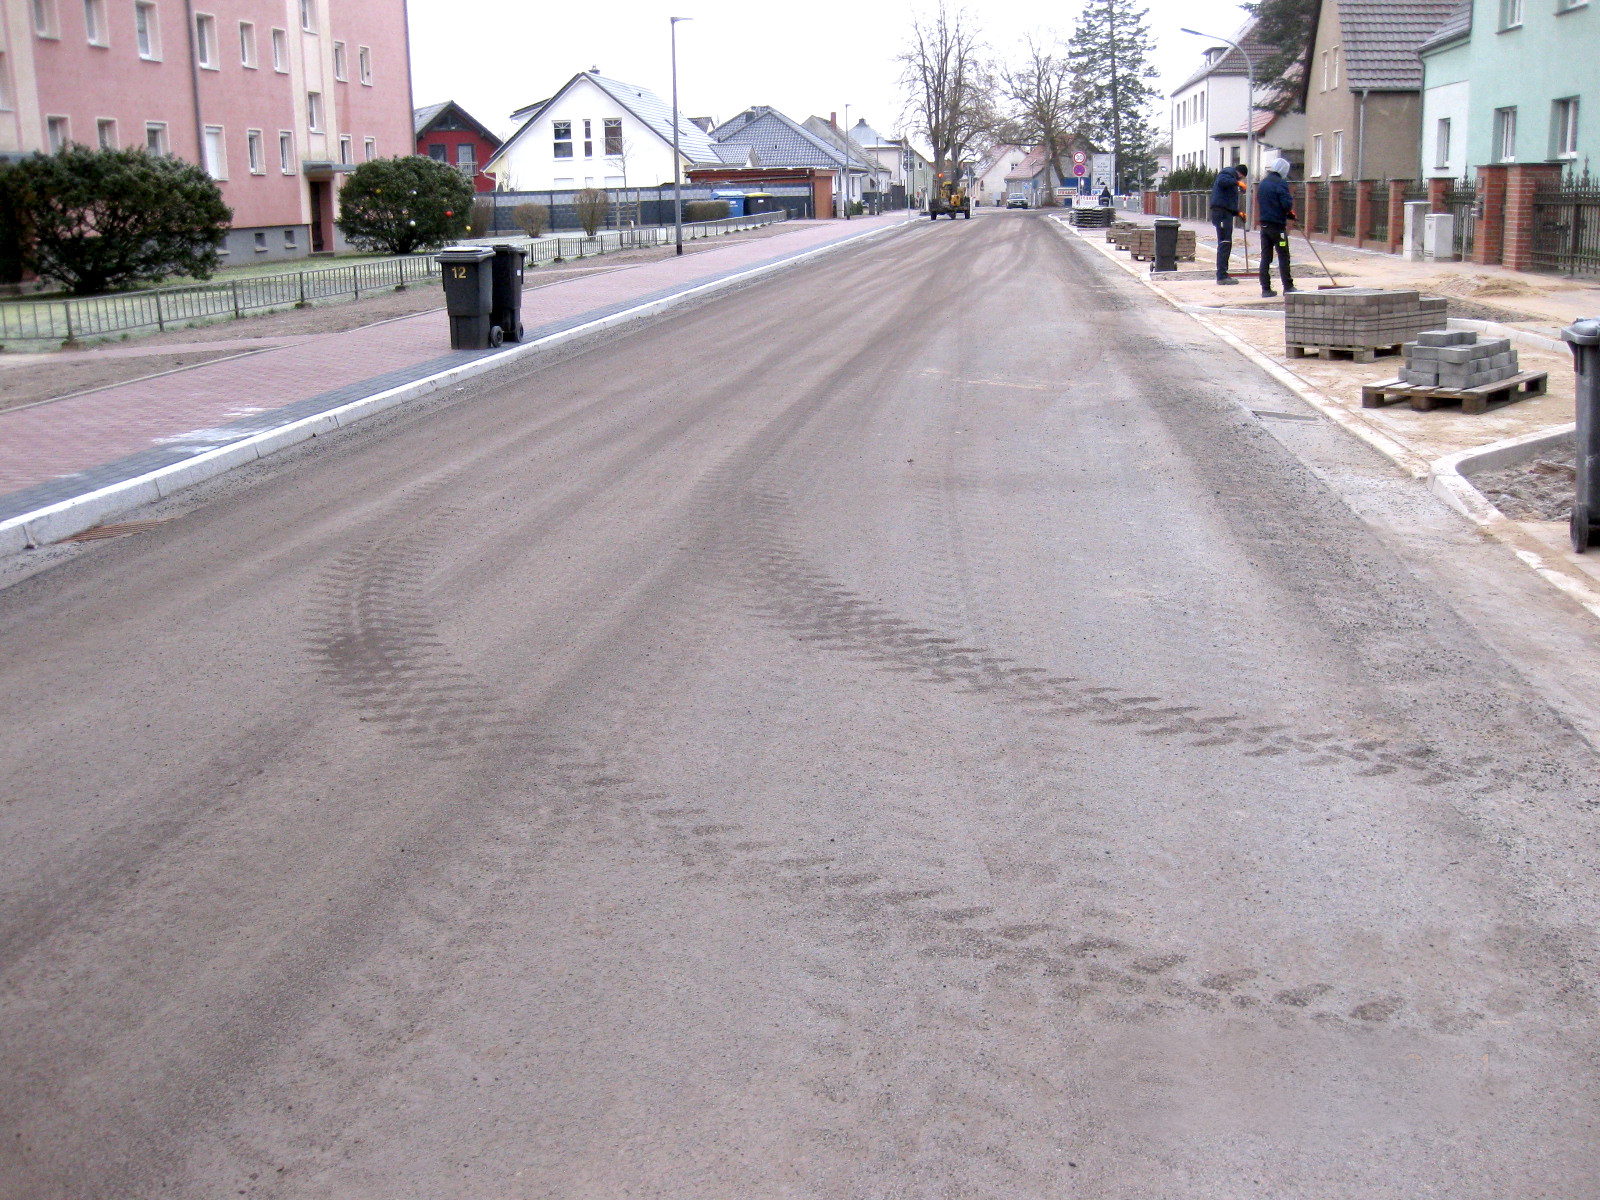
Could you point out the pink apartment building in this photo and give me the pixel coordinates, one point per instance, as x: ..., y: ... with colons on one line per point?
x: 275, y: 98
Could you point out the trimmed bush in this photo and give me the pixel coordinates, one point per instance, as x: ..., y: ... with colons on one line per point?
x: 704, y: 210
x: 592, y: 205
x: 531, y: 218
x: 101, y: 219
x: 401, y: 205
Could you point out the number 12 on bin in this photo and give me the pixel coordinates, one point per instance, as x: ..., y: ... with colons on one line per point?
x: 458, y: 272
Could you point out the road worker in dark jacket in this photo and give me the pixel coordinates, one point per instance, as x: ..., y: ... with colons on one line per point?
x: 1274, y: 211
x: 1227, y: 204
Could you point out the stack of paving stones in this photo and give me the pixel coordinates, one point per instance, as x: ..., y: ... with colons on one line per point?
x: 1120, y: 231
x: 1091, y: 218
x: 1358, y: 320
x: 1457, y: 360
x: 1142, y: 244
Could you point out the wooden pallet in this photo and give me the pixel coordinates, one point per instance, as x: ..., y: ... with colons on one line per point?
x: 1182, y: 257
x: 1360, y: 354
x: 1472, y: 400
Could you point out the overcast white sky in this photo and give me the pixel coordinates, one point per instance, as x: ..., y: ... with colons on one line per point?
x: 495, y: 56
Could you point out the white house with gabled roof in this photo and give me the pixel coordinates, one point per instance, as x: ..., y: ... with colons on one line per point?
x: 596, y: 132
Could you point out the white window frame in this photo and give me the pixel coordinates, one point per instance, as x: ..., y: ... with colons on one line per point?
x: 1336, y: 156
x: 280, y: 51
x: 101, y: 125
x: 1510, y: 14
x: 308, y: 16
x: 216, y: 161
x: 205, y: 41
x: 46, y: 21
x: 1566, y: 6
x: 1338, y: 54
x: 557, y: 141
x: 1565, y: 113
x: 255, y: 151
x: 147, y: 30
x: 369, y: 149
x: 247, y: 45
x: 314, y: 112
x: 1505, y: 134
x: 347, y: 148
x: 341, y: 63
x: 1441, y: 144
x: 286, y: 163
x: 57, y: 133
x: 1316, y: 155
x: 364, y: 64
x: 1326, y: 71
x: 7, y: 104
x: 96, y: 28
x: 159, y: 145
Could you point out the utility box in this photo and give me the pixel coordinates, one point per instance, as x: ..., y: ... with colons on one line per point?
x: 1439, y: 237
x: 505, y: 305
x: 469, y: 295
x: 1411, y: 244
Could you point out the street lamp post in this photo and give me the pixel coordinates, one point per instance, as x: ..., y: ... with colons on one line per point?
x: 846, y: 132
x: 677, y: 158
x: 1249, y: 125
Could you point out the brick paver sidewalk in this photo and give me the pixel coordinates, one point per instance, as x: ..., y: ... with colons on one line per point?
x: 53, y: 451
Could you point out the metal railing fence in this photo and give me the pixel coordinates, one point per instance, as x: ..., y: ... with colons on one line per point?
x: 160, y: 308
x: 1566, y: 226
x: 1347, y: 210
x: 1462, y: 201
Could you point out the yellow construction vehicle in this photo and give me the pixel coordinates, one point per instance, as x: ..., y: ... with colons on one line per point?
x: 949, y: 197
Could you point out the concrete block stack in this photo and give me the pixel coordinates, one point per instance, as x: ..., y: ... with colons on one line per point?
x: 1119, y: 232
x: 1457, y: 360
x: 1091, y: 218
x: 1353, y: 318
x: 1142, y: 244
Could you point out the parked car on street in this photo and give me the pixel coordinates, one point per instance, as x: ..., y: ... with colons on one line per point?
x: 1017, y: 200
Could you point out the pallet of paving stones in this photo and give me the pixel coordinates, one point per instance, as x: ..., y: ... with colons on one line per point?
x: 1142, y: 245
x: 1118, y: 232
x: 1349, y: 320
x: 1360, y: 354
x: 1091, y: 218
x: 1473, y: 400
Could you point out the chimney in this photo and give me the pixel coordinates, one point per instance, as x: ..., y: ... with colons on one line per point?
x: 833, y: 119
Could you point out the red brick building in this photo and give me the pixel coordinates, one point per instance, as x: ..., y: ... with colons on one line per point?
x: 450, y: 134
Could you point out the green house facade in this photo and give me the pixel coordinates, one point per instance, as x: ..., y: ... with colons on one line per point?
x: 1512, y: 81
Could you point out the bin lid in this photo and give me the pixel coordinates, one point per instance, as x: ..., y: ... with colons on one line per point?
x: 1585, y: 332
x: 464, y: 254
x: 508, y: 248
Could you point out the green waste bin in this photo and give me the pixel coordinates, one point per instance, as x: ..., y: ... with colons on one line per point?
x: 468, y: 273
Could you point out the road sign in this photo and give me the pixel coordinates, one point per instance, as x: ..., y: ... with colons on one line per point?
x: 1079, y: 157
x: 1079, y: 170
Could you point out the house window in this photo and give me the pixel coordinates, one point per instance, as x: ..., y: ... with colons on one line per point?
x: 290, y: 242
x: 1565, y: 113
x: 588, y: 139
x: 613, y: 130
x: 280, y: 51
x: 562, y: 185
x: 247, y: 44
x: 439, y: 152
x: 205, y: 41
x: 467, y: 160
x: 1200, y: 112
x: 364, y: 64
x: 286, y: 152
x: 59, y: 132
x: 105, y: 131
x: 44, y: 19
x: 308, y: 16
x: 1510, y: 14
x: 144, y: 30
x: 369, y: 148
x: 1316, y: 154
x: 155, y: 137
x: 1336, y: 167
x: 563, y: 138
x: 216, y: 153
x: 1338, y: 53
x: 261, y: 241
x: 1441, y: 144
x: 346, y: 149
x: 314, y: 111
x: 257, y: 152
x: 1568, y: 5
x: 1327, y: 72
x: 94, y: 22
x: 6, y: 103
x: 1505, y: 134
x: 341, y: 66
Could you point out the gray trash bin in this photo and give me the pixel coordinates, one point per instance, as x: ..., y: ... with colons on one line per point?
x: 505, y: 308
x: 469, y: 296
x: 1166, y: 257
x: 1584, y: 337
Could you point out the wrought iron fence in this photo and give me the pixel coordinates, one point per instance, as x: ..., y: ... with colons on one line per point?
x: 98, y: 316
x: 1462, y: 202
x: 1566, y: 226
x: 1377, y: 229
x: 1347, y: 211
x: 161, y: 308
x: 1319, y: 192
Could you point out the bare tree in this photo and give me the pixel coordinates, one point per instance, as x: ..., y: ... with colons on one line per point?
x: 592, y: 205
x: 1038, y: 93
x: 629, y: 208
x: 947, y: 85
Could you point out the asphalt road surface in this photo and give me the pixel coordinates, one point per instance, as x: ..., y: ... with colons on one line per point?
x: 908, y: 729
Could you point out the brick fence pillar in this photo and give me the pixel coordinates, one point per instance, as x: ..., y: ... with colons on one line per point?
x: 1363, y: 210
x: 1438, y: 195
x: 1174, y: 204
x: 1489, y: 236
x: 1397, y: 215
x: 1149, y: 205
x: 1311, y: 222
x: 1522, y: 181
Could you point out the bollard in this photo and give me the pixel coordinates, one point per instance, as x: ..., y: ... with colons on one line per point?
x: 1166, y: 256
x: 1584, y: 337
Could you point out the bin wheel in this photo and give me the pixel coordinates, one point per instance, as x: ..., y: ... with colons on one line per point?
x: 518, y: 336
x: 1580, y: 528
x: 496, y: 336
